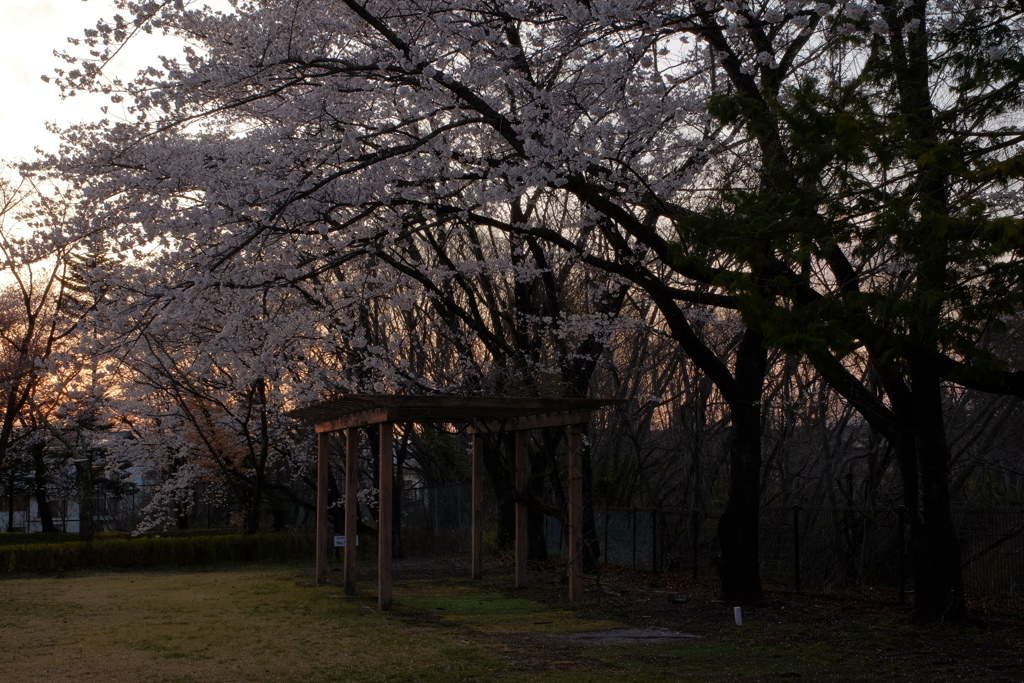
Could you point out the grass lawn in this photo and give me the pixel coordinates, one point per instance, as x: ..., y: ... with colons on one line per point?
x: 273, y: 624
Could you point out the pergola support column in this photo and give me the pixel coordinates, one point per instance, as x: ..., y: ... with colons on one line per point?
x: 486, y: 415
x: 384, y: 517
x: 575, y: 437
x: 351, y: 507
x: 477, y: 519
x: 522, y: 474
x: 322, y: 547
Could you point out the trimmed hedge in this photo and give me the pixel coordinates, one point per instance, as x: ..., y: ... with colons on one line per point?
x: 138, y: 553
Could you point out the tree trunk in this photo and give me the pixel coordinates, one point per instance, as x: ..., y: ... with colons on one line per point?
x: 739, y: 525
x: 398, y: 497
x: 335, y: 493
x: 181, y: 517
x: 279, y: 512
x: 591, y: 545
x: 10, y: 500
x: 938, y: 582
x: 42, y: 501
x: 86, y: 498
x: 540, y: 465
x: 738, y: 528
x: 253, y: 506
x: 499, y: 473
x: 922, y: 454
x: 260, y: 455
x: 537, y: 538
x: 506, y: 522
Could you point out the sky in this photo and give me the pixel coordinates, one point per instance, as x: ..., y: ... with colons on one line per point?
x: 30, y: 31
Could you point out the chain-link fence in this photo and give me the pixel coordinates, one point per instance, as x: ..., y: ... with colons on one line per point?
x: 816, y: 549
x: 435, y: 521
x: 823, y: 549
x: 633, y: 537
x: 992, y: 551
x: 812, y: 549
x: 803, y: 549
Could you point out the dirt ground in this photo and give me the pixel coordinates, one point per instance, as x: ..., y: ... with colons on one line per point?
x: 850, y: 637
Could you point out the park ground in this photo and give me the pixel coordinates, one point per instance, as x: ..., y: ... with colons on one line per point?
x: 272, y: 623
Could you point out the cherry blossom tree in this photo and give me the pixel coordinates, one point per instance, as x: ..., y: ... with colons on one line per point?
x: 791, y: 161
x: 38, y: 335
x: 583, y: 110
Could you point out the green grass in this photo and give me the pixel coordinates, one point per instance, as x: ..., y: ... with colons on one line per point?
x: 465, y: 601
x: 239, y: 625
x: 271, y: 623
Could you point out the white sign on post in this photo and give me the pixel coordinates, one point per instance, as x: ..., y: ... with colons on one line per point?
x: 339, y: 541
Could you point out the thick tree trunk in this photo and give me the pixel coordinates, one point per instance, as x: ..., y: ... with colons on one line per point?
x: 923, y: 458
x: 738, y: 529
x: 936, y: 552
x: 938, y: 581
x: 739, y: 526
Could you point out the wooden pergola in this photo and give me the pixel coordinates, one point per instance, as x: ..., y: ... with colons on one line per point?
x: 484, y: 415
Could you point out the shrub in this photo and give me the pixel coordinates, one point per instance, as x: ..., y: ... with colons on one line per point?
x: 138, y: 553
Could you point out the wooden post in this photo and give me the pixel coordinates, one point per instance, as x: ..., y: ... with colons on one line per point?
x: 521, y: 480
x: 351, y: 506
x: 384, y: 518
x: 575, y: 434
x: 477, y: 521
x: 322, y: 547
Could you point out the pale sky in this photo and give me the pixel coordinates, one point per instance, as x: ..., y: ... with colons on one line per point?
x: 30, y: 31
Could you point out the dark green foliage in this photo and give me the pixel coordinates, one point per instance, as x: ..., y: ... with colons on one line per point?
x: 874, y: 222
